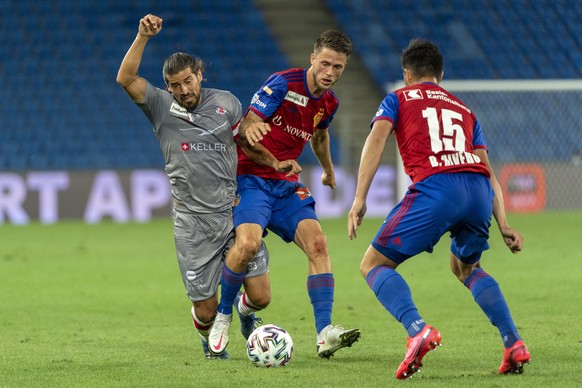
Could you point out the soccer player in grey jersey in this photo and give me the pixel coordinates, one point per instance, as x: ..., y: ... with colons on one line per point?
x: 196, y: 128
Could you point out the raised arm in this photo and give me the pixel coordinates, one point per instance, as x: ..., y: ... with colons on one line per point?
x: 369, y: 163
x: 512, y: 238
x: 127, y: 78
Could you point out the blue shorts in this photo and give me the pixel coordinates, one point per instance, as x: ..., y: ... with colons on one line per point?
x: 459, y: 203
x: 274, y: 204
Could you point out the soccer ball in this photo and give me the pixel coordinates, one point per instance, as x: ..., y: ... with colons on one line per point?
x: 269, y: 346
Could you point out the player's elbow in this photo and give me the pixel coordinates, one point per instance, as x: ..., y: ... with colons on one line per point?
x: 123, y: 81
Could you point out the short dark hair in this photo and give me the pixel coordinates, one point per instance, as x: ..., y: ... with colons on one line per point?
x: 333, y: 40
x: 423, y: 58
x: 179, y: 61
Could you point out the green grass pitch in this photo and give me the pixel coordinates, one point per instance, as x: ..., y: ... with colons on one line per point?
x: 103, y: 306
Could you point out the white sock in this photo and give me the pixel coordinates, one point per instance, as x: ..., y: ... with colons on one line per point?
x: 246, y: 307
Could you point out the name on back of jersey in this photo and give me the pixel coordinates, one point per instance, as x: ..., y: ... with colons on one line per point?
x: 454, y: 159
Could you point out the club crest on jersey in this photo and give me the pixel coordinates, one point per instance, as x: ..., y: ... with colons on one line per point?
x: 317, y: 117
x: 413, y: 94
x: 296, y: 98
x: 302, y: 192
x: 220, y: 110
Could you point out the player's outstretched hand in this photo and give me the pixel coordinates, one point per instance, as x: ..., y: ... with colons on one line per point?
x: 291, y: 167
x: 328, y: 179
x: 512, y: 238
x: 254, y: 133
x: 150, y: 25
x: 355, y: 217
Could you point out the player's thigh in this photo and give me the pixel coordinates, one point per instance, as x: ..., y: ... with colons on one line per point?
x: 415, y: 225
x: 429, y: 209
x: 469, y: 236
x: 291, y: 211
x: 201, y: 243
x: 254, y: 202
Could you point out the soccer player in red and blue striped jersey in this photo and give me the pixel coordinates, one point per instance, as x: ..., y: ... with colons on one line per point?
x: 453, y: 190
x: 296, y: 106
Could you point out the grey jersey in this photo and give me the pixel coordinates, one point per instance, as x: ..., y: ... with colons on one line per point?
x: 198, y: 147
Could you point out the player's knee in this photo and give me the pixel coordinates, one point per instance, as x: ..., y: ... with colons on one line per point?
x: 364, y: 268
x: 317, y: 247
x: 263, y: 300
x: 367, y: 264
x: 462, y: 272
x: 258, y: 294
x: 205, y: 315
x: 247, y: 247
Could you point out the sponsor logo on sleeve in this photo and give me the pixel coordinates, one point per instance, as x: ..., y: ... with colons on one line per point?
x: 256, y: 101
x: 296, y: 98
x: 268, y: 90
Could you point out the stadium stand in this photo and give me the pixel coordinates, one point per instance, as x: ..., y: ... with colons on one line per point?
x: 490, y: 40
x: 62, y: 107
x: 63, y: 110
x: 499, y: 39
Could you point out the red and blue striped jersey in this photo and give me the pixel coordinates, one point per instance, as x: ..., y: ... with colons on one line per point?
x: 434, y: 130
x: 293, y: 113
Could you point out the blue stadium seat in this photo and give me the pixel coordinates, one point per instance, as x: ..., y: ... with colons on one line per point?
x: 63, y: 109
x: 498, y: 39
x: 67, y: 65
x: 500, y: 31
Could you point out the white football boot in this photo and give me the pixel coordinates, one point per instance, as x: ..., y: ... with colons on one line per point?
x: 333, y: 338
x: 218, y: 337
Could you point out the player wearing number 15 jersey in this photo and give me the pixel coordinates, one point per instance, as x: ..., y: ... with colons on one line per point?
x: 454, y: 191
x: 427, y: 147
